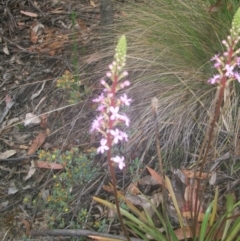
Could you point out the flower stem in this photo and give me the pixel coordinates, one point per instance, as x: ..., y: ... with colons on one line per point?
x: 112, y: 172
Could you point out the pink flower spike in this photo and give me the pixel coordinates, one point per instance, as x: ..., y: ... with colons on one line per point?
x: 103, y: 146
x: 229, y: 70
x: 114, y: 112
x: 124, y: 99
x: 116, y: 135
x: 120, y: 161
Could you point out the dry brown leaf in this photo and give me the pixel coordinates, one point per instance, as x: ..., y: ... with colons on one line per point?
x: 107, y: 188
x: 82, y: 24
x: 29, y: 14
x: 20, y: 23
x: 57, y: 10
x: 213, y: 179
x: 156, y: 176
x: 92, y: 3
x: 44, y: 119
x: 48, y: 165
x: 27, y: 227
x: 7, y: 154
x: 133, y: 189
x: 31, y: 171
x: 194, y: 174
x: 24, y: 147
x: 31, y: 120
x: 189, y: 215
x: 186, y: 232
x: 33, y: 37
x: 38, y: 141
x: 5, y: 49
x: 148, y: 180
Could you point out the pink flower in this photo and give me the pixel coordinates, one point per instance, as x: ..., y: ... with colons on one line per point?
x: 103, y: 146
x: 215, y: 57
x: 238, y: 61
x: 229, y: 70
x: 109, y: 74
x: 103, y: 82
x: 101, y: 108
x: 126, y: 83
x: 99, y: 99
x: 124, y: 99
x: 119, y: 160
x: 215, y: 79
x: 124, y: 136
x: 217, y: 65
x: 125, y: 119
x: 116, y: 135
x: 114, y: 111
x: 97, y: 123
x: 237, y: 76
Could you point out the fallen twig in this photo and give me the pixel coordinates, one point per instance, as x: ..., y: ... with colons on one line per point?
x: 76, y: 232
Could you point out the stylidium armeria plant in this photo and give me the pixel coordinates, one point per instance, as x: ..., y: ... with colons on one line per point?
x: 228, y: 67
x: 110, y: 119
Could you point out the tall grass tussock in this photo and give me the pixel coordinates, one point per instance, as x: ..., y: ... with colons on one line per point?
x: 170, y: 44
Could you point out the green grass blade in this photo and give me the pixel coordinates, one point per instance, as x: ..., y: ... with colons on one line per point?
x: 136, y: 230
x: 175, y: 203
x: 214, y: 209
x: 140, y: 224
x: 214, y: 229
x: 229, y: 213
x: 234, y: 231
x: 204, y: 225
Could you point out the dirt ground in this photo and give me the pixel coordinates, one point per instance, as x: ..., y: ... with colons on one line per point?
x: 39, y: 41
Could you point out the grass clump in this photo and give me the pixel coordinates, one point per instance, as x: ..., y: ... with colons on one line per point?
x: 170, y: 45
